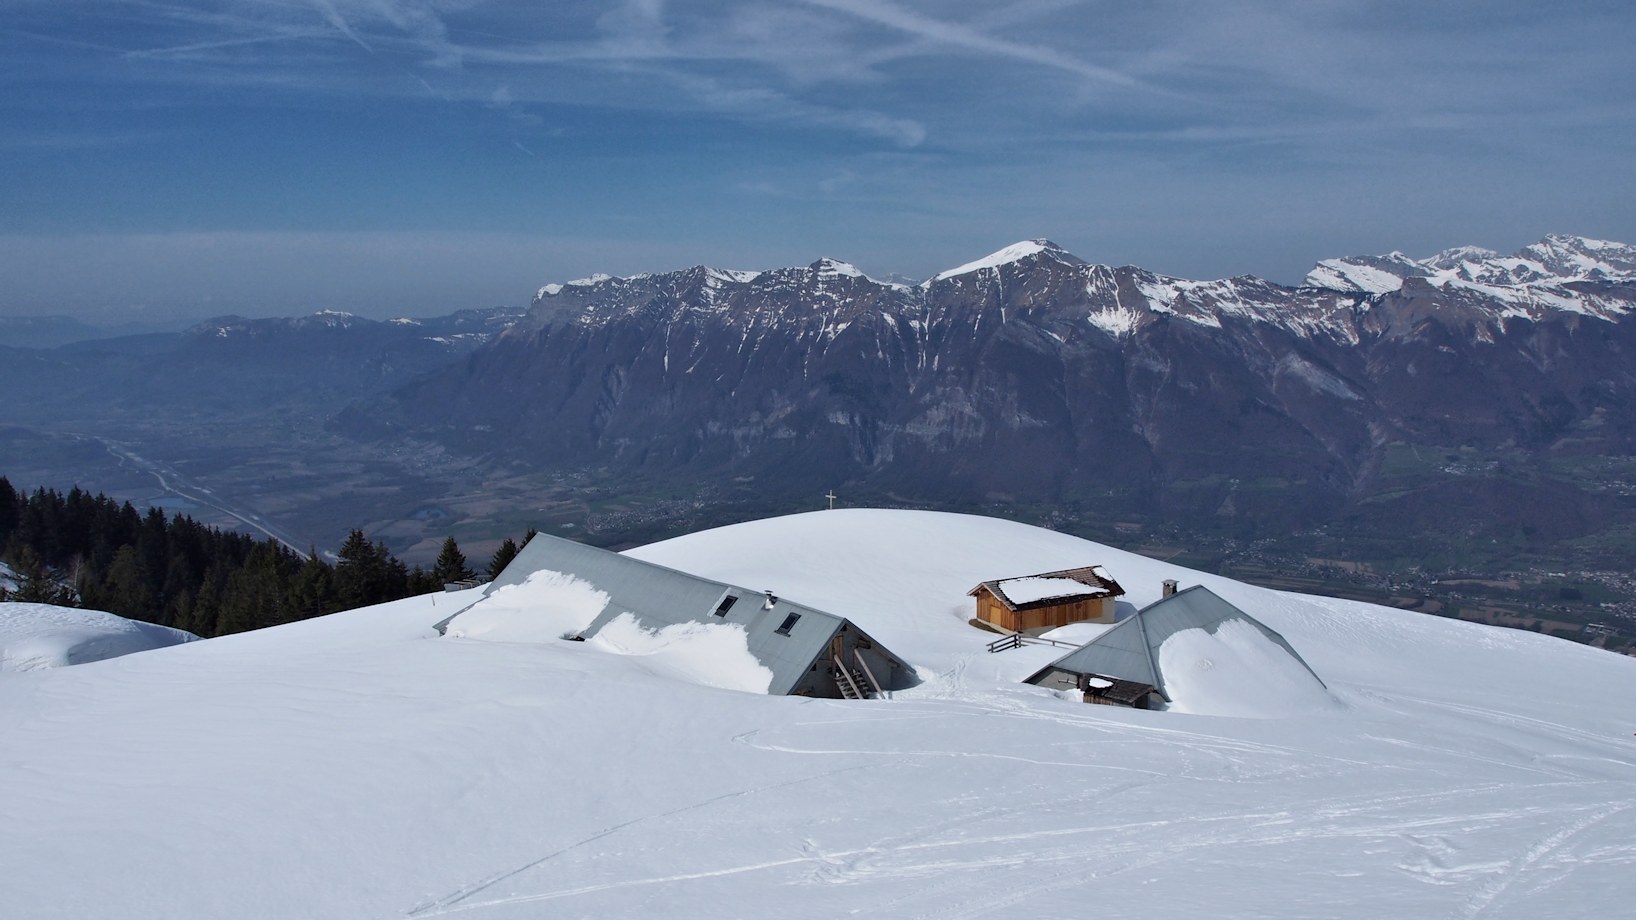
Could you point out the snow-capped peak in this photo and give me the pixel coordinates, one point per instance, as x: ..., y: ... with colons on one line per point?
x: 1459, y: 255
x: 827, y: 267
x: 1016, y: 252
x: 1582, y: 257
x: 552, y: 290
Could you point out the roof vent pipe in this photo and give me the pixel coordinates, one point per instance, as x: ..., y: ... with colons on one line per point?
x: 1169, y: 587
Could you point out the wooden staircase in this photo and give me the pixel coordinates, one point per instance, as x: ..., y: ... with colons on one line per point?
x: 856, y: 682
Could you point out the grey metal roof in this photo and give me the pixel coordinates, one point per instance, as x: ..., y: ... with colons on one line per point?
x: 658, y: 596
x: 1130, y: 650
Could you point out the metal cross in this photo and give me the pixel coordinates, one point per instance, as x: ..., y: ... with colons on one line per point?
x: 831, y: 496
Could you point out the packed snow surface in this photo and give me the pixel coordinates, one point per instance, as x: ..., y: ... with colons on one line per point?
x: 35, y: 636
x: 362, y: 766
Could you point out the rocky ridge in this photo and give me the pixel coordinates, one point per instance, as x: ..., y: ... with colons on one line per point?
x: 1032, y: 375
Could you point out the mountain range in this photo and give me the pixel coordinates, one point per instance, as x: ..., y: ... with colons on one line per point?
x: 1388, y: 422
x: 1469, y: 394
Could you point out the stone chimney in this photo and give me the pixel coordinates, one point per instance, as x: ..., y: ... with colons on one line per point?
x: 1169, y: 587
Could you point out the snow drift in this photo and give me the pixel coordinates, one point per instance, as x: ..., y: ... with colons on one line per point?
x: 35, y: 636
x: 709, y: 654
x: 545, y: 607
x: 1235, y: 670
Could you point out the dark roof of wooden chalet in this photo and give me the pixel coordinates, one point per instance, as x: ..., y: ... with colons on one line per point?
x: 1097, y: 584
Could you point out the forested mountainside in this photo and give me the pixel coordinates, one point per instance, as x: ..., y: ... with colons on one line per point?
x: 79, y: 549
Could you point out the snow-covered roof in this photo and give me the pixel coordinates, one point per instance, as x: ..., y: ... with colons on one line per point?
x: 784, y: 636
x: 1025, y: 592
x: 1131, y: 649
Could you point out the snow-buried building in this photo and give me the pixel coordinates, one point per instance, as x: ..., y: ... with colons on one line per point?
x: 810, y: 652
x: 1127, y: 665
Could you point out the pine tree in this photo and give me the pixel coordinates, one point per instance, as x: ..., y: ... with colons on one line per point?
x: 9, y: 500
x: 206, y: 607
x: 368, y: 573
x: 35, y: 583
x: 421, y: 582
x: 123, y: 589
x: 255, y: 593
x: 359, y: 572
x: 395, y: 585
x: 451, y: 564
x: 502, y: 558
x: 312, y: 591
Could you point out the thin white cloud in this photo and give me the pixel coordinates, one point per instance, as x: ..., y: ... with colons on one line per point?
x: 960, y: 36
x: 220, y: 44
x: 332, y: 15
x: 763, y: 104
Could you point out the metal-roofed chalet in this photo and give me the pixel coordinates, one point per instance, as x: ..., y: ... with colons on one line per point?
x: 1130, y: 650
x: 811, y: 652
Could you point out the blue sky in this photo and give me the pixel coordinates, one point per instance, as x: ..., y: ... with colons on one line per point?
x: 393, y: 157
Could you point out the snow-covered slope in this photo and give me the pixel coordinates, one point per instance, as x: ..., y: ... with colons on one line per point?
x: 360, y: 766
x: 34, y: 636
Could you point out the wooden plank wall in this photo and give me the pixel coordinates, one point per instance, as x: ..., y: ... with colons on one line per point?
x: 992, y: 611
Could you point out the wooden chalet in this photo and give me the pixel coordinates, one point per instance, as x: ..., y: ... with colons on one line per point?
x: 1030, y: 603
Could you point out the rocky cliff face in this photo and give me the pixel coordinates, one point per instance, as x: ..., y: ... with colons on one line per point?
x: 1034, y: 376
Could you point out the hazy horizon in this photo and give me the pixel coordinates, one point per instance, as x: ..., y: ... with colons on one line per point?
x: 414, y: 157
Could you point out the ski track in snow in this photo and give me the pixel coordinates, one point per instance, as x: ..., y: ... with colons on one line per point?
x: 1489, y: 894
x: 919, y: 854
x: 930, y: 850
x: 451, y: 903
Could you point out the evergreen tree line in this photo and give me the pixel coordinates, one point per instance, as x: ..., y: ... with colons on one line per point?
x: 86, y: 550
